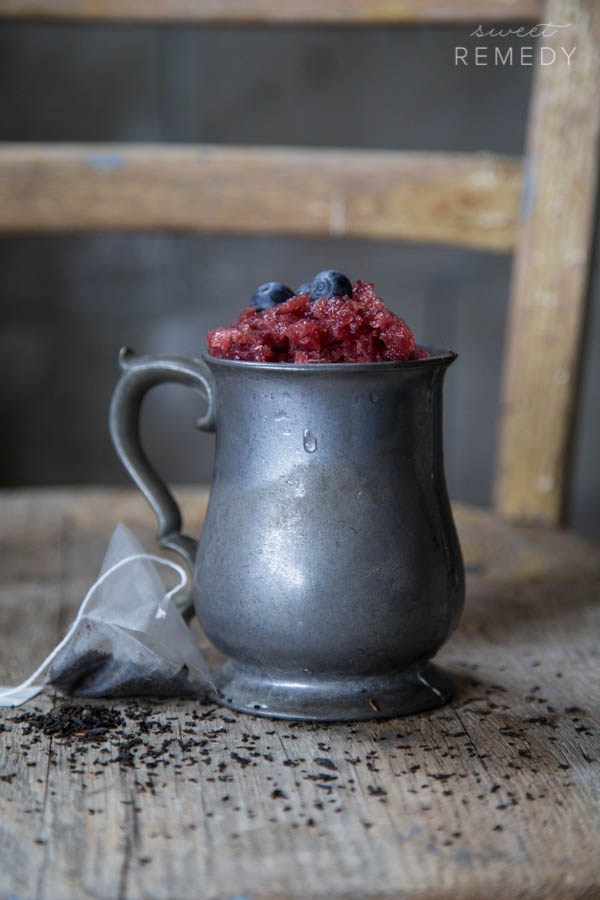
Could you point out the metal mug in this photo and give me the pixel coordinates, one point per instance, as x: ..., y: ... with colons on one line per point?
x: 329, y: 569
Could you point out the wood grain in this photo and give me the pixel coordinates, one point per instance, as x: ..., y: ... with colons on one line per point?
x: 550, y: 280
x: 464, y: 199
x: 313, y: 12
x: 494, y: 795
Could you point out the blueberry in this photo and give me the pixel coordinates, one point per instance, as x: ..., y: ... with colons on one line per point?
x: 305, y: 288
x: 270, y: 294
x: 330, y: 283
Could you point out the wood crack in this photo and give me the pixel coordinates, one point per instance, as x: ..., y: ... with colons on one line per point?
x: 44, y: 866
x: 130, y: 840
x: 470, y: 736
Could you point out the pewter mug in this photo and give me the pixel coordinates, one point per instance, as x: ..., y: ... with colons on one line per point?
x: 328, y: 569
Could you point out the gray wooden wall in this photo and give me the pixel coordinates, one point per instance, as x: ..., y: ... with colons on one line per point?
x: 68, y: 302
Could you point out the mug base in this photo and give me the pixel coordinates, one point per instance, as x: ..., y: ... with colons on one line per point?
x: 351, y: 699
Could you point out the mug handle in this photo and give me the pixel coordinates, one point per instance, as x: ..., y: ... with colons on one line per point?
x: 140, y: 373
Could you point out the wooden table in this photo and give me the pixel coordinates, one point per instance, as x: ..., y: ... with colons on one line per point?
x: 496, y: 795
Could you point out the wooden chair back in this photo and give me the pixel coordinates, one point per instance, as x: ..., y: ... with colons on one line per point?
x: 541, y: 207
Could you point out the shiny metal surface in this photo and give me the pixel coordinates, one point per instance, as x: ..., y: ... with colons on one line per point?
x: 328, y: 569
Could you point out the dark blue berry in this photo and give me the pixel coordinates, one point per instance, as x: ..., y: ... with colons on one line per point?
x: 330, y: 283
x: 270, y: 294
x: 305, y: 288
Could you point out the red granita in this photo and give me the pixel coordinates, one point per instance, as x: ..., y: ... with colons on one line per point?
x: 330, y: 329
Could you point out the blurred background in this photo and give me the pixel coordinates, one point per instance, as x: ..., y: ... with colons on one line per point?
x: 69, y: 302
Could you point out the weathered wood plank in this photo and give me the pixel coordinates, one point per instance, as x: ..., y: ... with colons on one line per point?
x: 494, y: 795
x: 547, y: 308
x: 463, y: 199
x: 313, y: 12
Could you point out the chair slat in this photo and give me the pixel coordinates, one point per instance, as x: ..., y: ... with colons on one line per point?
x: 358, y: 12
x: 467, y: 200
x: 550, y: 280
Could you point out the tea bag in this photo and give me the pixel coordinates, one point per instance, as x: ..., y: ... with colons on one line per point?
x: 128, y: 639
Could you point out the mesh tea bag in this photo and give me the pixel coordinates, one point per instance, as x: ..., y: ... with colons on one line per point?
x: 128, y: 639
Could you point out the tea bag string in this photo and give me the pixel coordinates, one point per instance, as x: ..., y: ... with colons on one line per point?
x: 183, y: 575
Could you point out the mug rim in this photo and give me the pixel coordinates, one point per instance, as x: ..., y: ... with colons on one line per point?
x: 437, y: 357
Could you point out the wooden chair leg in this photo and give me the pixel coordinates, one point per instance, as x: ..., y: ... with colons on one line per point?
x: 551, y: 270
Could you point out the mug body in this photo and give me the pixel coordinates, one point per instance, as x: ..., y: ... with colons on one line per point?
x: 329, y: 570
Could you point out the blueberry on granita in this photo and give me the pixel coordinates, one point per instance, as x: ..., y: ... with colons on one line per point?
x: 270, y: 294
x: 305, y: 288
x: 330, y: 283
